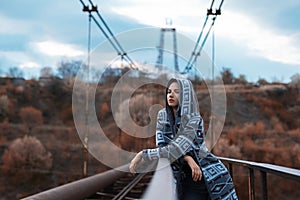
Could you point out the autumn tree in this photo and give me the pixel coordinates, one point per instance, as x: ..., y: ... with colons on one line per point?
x: 31, y: 117
x: 24, y: 159
x: 225, y: 149
x: 140, y: 114
x: 3, y: 107
x: 227, y: 76
x: 104, y: 111
x: 241, y: 80
x: 262, y: 81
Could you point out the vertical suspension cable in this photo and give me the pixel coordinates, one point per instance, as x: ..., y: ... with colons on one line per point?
x: 87, y: 83
x: 213, y: 87
x: 89, y: 47
x: 213, y: 54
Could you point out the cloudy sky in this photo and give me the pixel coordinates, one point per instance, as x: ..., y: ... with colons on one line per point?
x: 258, y: 38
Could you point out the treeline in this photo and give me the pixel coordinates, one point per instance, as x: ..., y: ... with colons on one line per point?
x: 262, y: 122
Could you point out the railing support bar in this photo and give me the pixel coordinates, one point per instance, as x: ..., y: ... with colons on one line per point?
x: 230, y: 170
x: 264, y: 184
x: 251, y: 184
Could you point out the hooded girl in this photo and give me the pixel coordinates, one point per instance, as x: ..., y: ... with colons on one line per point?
x: 180, y: 137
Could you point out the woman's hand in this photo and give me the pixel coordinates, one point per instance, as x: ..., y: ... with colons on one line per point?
x: 196, y: 171
x: 134, y: 162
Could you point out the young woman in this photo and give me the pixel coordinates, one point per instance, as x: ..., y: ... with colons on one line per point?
x: 180, y: 138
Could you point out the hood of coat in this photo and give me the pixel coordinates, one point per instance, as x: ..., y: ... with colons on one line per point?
x: 188, y: 103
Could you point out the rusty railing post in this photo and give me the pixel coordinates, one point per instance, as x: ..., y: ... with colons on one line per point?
x: 251, y: 184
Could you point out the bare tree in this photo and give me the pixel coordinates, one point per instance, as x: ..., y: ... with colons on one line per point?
x: 67, y: 70
x: 295, y: 82
x: 46, y: 72
x: 15, y: 72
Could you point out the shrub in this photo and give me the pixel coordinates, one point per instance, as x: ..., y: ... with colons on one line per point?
x: 31, y: 117
x: 25, y: 159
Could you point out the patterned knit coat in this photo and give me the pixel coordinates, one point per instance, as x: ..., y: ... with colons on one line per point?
x: 184, y: 135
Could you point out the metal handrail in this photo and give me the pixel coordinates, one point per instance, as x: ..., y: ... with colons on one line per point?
x: 82, y: 188
x: 264, y: 168
x: 86, y: 187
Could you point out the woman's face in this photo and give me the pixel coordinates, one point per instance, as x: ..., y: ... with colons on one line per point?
x: 173, y: 95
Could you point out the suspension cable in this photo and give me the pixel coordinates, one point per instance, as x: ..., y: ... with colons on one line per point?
x: 106, y: 36
x: 197, y: 43
x: 123, y: 53
x: 116, y: 45
x: 194, y: 55
x: 107, y: 27
x: 199, y: 37
x: 202, y: 44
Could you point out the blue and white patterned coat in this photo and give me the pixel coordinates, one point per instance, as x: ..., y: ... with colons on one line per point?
x: 184, y: 135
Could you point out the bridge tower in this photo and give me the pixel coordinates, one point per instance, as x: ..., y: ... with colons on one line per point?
x: 159, y: 62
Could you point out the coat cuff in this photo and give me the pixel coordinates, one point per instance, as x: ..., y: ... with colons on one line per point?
x: 150, y: 154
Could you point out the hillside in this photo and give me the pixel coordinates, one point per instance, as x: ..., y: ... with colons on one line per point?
x: 261, y: 122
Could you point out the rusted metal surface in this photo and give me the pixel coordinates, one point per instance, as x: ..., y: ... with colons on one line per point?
x: 251, y: 188
x: 124, y: 192
x: 128, y: 187
x: 161, y: 182
x: 263, y: 168
x: 82, y: 188
x: 281, y: 171
x: 264, y: 184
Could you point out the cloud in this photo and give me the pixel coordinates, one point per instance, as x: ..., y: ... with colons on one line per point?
x: 14, y: 26
x: 262, y: 29
x: 53, y: 48
x: 258, y: 39
x: 154, y: 13
x: 14, y: 57
x: 29, y: 65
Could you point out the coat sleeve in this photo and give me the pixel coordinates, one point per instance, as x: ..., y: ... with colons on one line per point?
x: 182, y: 143
x: 199, y: 149
x: 160, y: 123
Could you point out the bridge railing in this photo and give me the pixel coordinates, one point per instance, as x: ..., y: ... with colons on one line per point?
x: 162, y: 182
x: 82, y: 188
x: 264, y: 169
